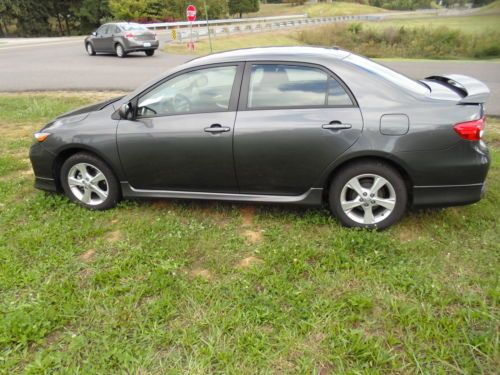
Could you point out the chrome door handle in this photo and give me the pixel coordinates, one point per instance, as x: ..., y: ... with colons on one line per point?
x: 335, y: 125
x: 216, y: 128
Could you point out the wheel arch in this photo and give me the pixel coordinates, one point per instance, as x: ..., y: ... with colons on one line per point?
x: 381, y: 157
x: 69, y: 151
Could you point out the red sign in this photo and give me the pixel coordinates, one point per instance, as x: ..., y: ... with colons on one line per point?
x: 191, y: 13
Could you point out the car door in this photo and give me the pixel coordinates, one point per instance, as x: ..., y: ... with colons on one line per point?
x: 294, y: 120
x: 107, y: 38
x: 99, y: 39
x: 181, y: 138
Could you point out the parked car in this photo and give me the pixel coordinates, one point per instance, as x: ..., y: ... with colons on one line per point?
x: 284, y: 124
x: 121, y: 38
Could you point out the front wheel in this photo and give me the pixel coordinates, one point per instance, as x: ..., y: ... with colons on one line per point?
x: 150, y: 52
x: 368, y: 195
x: 90, y: 49
x: 88, y: 181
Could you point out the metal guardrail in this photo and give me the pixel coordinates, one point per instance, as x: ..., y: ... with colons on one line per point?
x: 181, y: 31
x: 170, y: 25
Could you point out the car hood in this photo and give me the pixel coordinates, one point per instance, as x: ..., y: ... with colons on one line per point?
x: 80, y: 114
x: 89, y: 108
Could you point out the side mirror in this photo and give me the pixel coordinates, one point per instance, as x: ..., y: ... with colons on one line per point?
x: 125, y: 111
x: 94, y: 33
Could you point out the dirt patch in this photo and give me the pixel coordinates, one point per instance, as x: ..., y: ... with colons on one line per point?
x: 247, y: 215
x: 163, y: 204
x: 407, y: 233
x: 87, y: 256
x: 253, y: 236
x: 114, y: 236
x: 250, y: 262
x: 201, y: 272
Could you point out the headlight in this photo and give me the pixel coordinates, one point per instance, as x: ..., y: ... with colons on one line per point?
x: 40, y: 137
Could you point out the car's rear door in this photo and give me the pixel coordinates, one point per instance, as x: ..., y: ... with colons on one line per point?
x: 182, y: 138
x: 293, y: 121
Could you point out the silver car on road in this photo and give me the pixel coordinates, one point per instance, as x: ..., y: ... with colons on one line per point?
x: 121, y: 38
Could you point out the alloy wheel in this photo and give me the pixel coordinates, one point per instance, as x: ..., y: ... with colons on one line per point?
x: 368, y: 198
x: 88, y: 184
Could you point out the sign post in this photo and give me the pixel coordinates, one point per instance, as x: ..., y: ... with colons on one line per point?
x: 191, y: 17
x: 208, y: 27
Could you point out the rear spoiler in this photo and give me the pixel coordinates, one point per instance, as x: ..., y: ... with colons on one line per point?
x: 471, y: 90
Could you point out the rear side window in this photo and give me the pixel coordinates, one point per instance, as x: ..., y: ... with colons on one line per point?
x: 283, y: 85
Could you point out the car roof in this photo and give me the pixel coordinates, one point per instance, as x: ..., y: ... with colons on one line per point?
x: 298, y: 53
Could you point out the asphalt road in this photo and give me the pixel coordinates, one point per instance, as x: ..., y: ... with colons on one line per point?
x: 64, y: 65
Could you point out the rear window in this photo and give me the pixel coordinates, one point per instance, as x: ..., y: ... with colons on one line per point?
x: 132, y: 27
x: 390, y: 75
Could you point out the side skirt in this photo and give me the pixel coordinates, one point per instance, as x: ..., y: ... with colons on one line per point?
x: 312, y: 197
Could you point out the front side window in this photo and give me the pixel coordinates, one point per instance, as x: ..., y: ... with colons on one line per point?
x: 279, y: 85
x: 102, y: 30
x: 199, y: 91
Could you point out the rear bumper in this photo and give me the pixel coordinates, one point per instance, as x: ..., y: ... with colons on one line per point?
x: 131, y: 45
x: 447, y: 195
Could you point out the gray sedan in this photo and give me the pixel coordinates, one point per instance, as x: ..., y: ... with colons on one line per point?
x: 303, y: 125
x: 121, y: 38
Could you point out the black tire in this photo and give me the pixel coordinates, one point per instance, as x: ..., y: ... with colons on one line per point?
x: 364, y: 172
x: 149, y: 52
x: 120, y: 50
x: 110, y: 185
x: 90, y: 49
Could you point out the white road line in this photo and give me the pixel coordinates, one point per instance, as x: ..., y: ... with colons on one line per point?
x: 40, y: 44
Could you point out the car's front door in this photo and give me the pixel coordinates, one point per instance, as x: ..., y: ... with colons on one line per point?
x: 294, y: 120
x: 182, y: 136
x: 100, y: 38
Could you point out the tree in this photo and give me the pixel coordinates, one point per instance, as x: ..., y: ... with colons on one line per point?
x: 91, y: 14
x: 243, y: 6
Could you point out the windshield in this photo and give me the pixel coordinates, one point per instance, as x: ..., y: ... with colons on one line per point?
x: 132, y: 26
x: 388, y: 74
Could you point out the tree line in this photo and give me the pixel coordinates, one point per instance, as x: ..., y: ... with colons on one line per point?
x: 70, y: 17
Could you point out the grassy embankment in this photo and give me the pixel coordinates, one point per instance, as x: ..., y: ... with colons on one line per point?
x: 474, y: 36
x: 203, y: 287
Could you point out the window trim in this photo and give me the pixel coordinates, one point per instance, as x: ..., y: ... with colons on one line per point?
x: 245, y: 86
x: 233, y: 99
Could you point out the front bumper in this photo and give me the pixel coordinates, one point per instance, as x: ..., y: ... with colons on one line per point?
x: 42, y: 162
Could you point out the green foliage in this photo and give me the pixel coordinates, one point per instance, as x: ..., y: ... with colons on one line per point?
x: 243, y: 6
x: 401, y: 4
x: 411, y: 42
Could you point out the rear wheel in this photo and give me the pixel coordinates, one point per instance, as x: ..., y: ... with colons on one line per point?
x: 90, y: 49
x: 368, y: 195
x: 120, y: 51
x: 88, y: 181
x: 150, y: 52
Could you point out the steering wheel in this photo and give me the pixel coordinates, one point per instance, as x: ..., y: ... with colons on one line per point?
x: 181, y: 103
x: 149, y: 109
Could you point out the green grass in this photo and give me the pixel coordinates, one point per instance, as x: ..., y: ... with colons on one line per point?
x: 429, y: 37
x: 280, y: 38
x: 467, y: 24
x: 169, y: 286
x: 493, y: 8
x: 315, y: 10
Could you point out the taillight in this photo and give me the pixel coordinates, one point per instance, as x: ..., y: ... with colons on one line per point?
x: 129, y: 36
x: 471, y: 130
